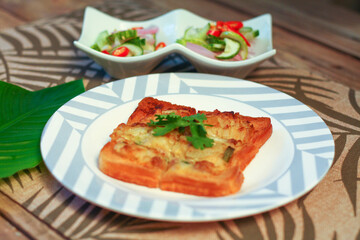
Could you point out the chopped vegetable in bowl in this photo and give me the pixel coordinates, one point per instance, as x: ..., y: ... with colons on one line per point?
x: 171, y: 26
x: 221, y: 40
x: 126, y: 43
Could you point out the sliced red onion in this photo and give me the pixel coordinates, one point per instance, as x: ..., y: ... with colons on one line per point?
x: 207, y: 53
x: 149, y: 38
x: 236, y: 58
x: 201, y: 50
x: 148, y: 30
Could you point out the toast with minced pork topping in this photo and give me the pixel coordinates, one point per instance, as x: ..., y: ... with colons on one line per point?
x: 171, y: 163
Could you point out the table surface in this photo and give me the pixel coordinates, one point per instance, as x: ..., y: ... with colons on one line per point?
x: 317, y: 62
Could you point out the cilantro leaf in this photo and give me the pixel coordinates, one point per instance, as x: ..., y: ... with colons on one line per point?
x: 167, y: 123
x: 200, y: 142
x: 198, y: 137
x: 197, y: 117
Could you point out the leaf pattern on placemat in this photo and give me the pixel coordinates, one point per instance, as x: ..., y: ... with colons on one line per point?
x: 41, y: 55
x: 342, y: 125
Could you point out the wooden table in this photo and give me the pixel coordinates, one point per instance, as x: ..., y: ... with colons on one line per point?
x: 317, y: 62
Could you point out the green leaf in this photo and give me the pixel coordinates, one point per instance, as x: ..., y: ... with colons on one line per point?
x: 198, y: 137
x: 23, y: 115
x: 167, y: 123
x: 197, y: 117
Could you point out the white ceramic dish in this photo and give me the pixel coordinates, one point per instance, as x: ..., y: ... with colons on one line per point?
x: 172, y: 26
x: 295, y: 158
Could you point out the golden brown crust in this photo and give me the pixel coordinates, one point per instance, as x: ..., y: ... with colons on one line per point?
x: 202, y: 182
x: 248, y: 134
x: 171, y: 163
x: 149, y: 107
x: 127, y: 169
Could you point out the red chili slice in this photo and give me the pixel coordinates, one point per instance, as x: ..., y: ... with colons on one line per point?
x: 214, y: 32
x: 160, y: 45
x: 236, y: 25
x: 247, y: 42
x: 219, y: 24
x: 233, y: 26
x: 105, y: 51
x: 237, y: 32
x: 121, y: 52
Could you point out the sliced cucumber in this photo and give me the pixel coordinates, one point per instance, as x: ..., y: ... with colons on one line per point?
x: 121, y: 36
x: 95, y: 47
x: 238, y: 38
x: 217, y: 46
x: 135, y: 50
x: 101, y: 40
x: 212, y: 39
x: 137, y: 41
x: 198, y: 42
x: 149, y: 47
x: 181, y: 41
x: 111, y: 39
x: 197, y: 36
x: 232, y: 48
x: 196, y: 33
x: 251, y: 35
x: 245, y: 29
x: 211, y: 47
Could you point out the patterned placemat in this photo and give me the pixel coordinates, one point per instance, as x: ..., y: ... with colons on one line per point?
x: 41, y: 54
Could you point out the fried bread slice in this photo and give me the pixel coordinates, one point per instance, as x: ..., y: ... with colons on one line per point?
x: 171, y: 163
x: 149, y: 107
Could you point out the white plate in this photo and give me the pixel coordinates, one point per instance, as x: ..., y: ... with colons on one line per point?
x: 294, y: 159
x: 172, y: 26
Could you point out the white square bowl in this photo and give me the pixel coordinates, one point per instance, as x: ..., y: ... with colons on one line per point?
x: 172, y: 26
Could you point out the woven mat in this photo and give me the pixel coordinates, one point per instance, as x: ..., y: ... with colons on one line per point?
x: 41, y: 55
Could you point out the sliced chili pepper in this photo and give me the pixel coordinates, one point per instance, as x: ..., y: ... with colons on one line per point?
x: 237, y: 32
x: 105, y: 51
x: 236, y: 25
x: 219, y: 24
x: 160, y: 45
x: 135, y: 28
x: 214, y: 32
x: 121, y: 52
x: 247, y: 42
x: 225, y: 28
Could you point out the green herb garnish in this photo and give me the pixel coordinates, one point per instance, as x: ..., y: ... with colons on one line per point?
x: 167, y: 123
